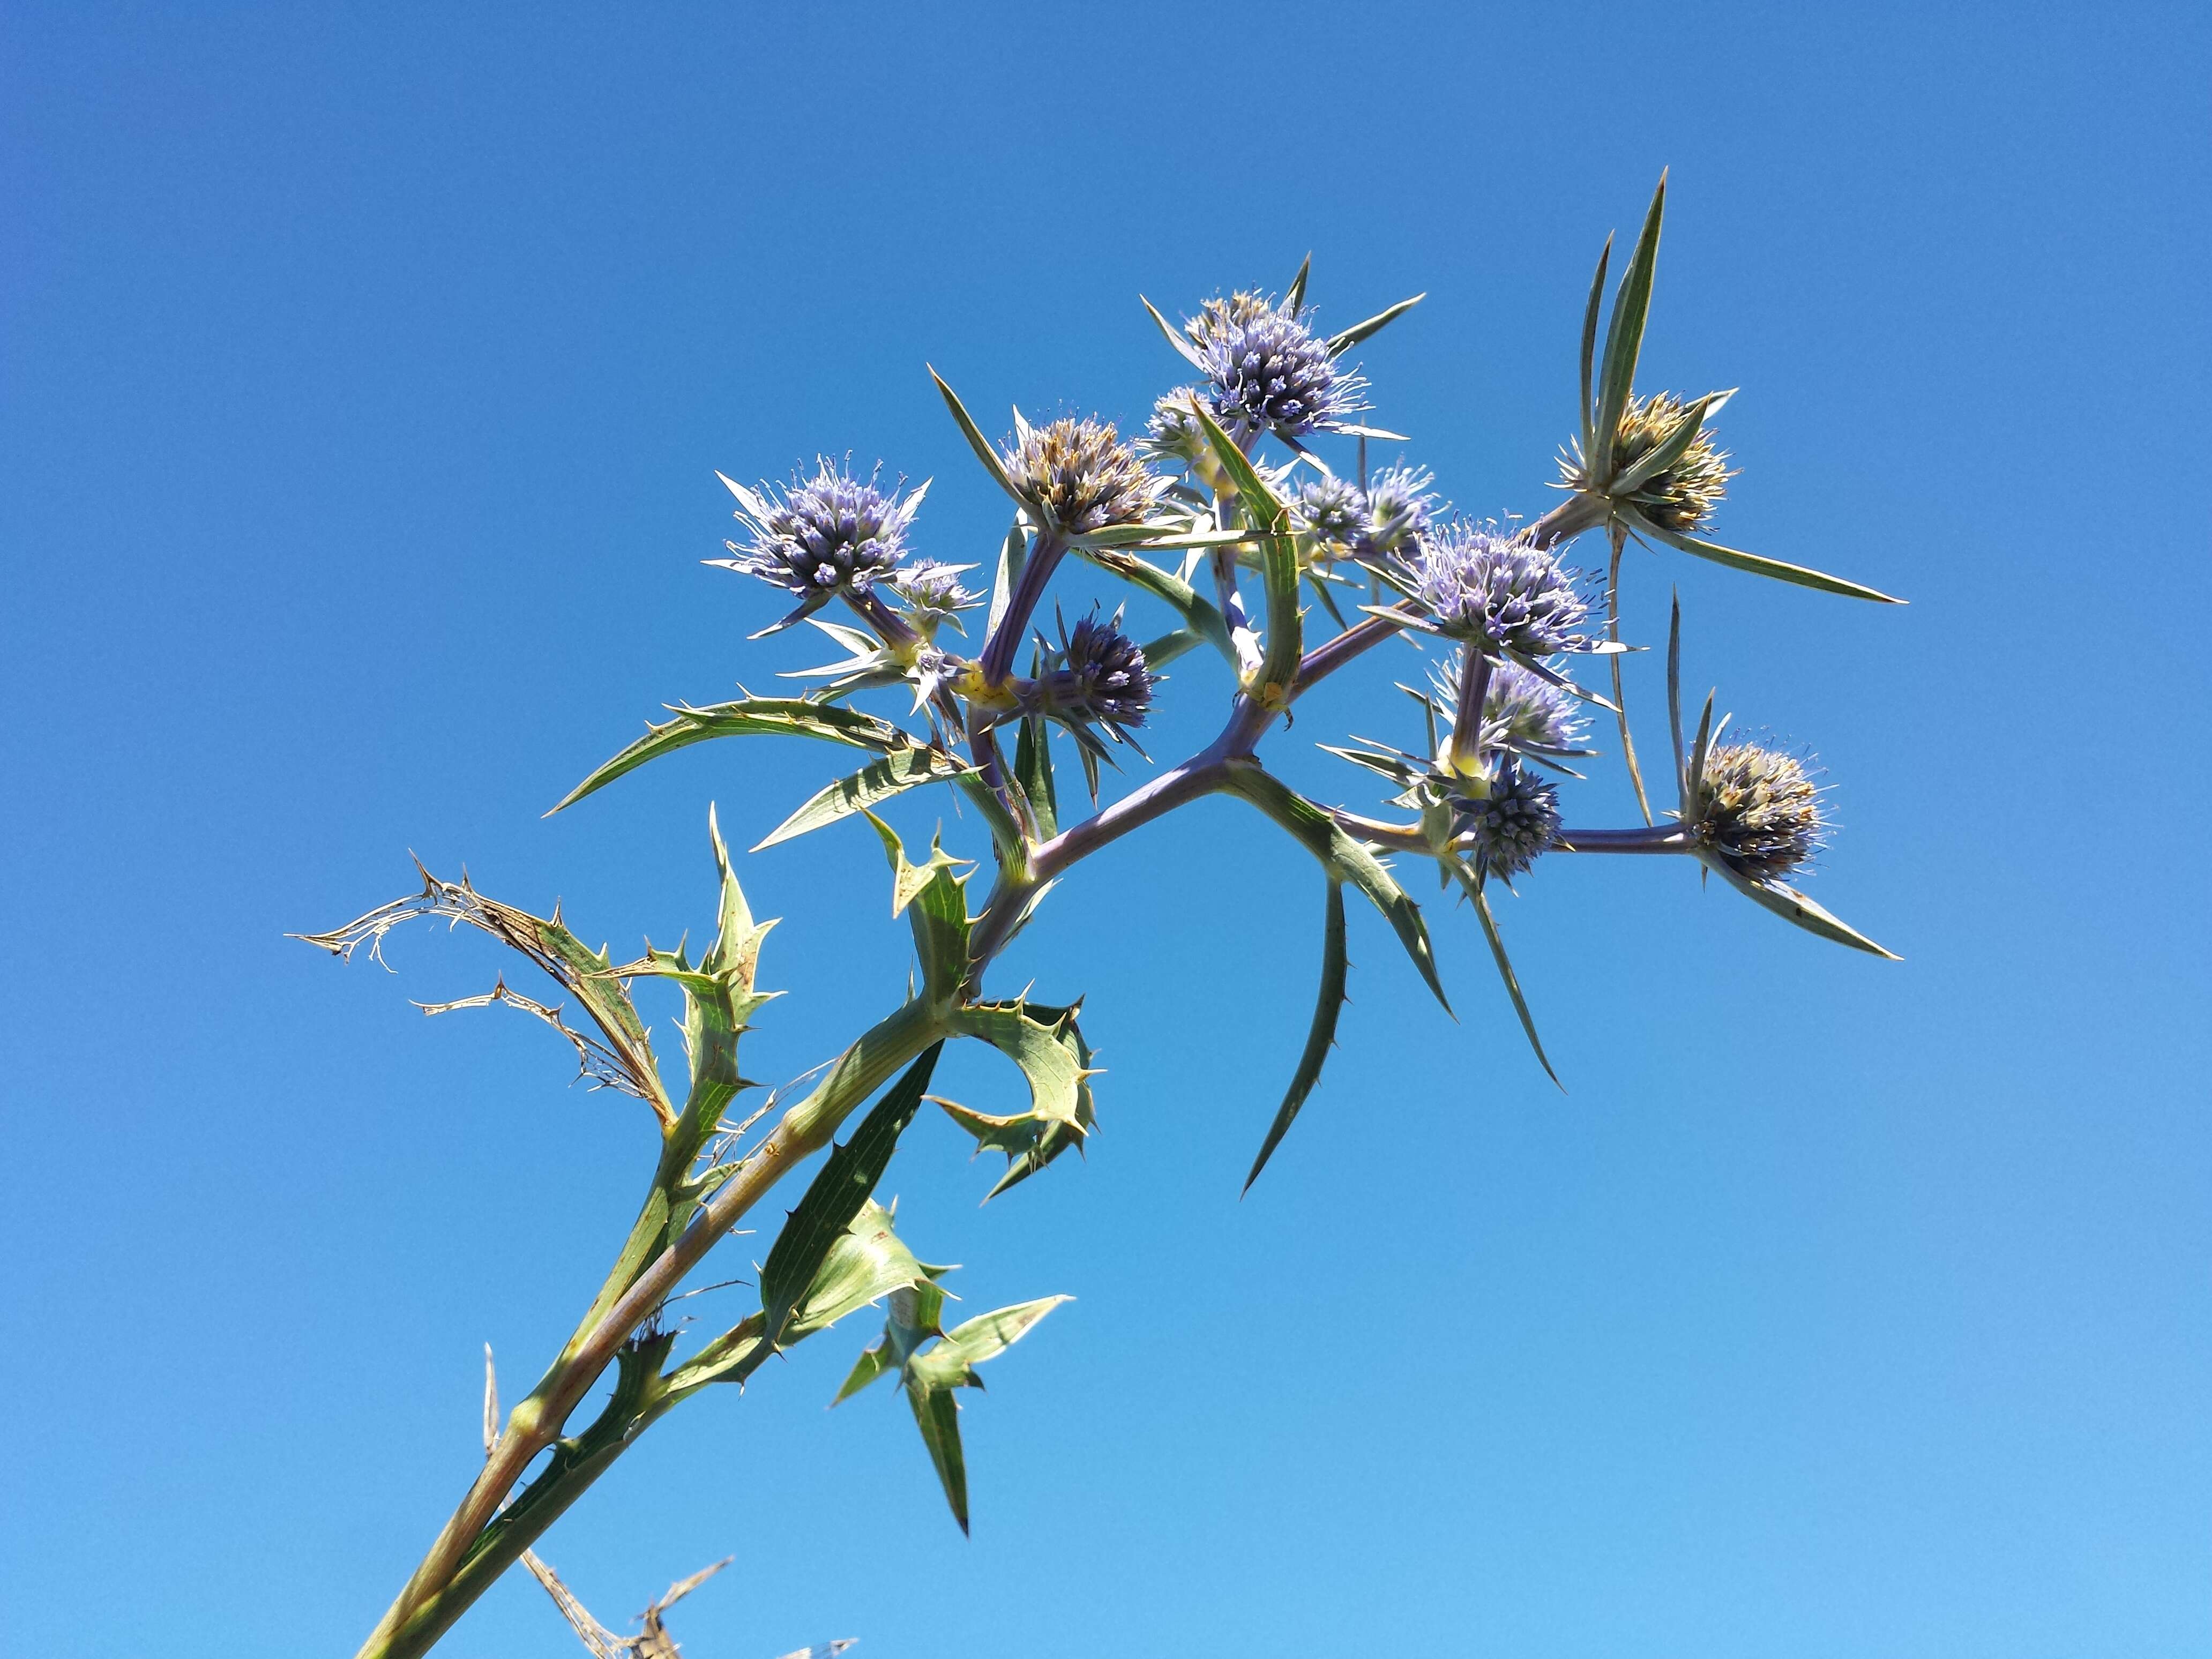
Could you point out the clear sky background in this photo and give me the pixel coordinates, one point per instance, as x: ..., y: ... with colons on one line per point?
x: 362, y: 376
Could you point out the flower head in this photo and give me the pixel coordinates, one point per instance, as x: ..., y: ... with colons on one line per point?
x: 1080, y: 475
x: 1515, y: 823
x: 1099, y: 676
x: 1759, y: 810
x: 1399, y: 508
x: 1172, y: 436
x: 1521, y: 709
x: 932, y: 593
x: 1333, y: 511
x: 1680, y: 497
x: 822, y: 536
x: 1267, y: 371
x: 1477, y: 583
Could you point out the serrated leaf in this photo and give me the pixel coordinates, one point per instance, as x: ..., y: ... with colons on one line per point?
x: 877, y: 781
x: 1624, y: 335
x: 1801, y: 575
x: 1344, y: 858
x: 1340, y: 344
x: 1793, y: 905
x: 929, y: 895
x: 1047, y: 1045
x: 792, y: 1279
x: 798, y: 717
x: 1321, y: 1035
x: 984, y: 453
x: 932, y: 1377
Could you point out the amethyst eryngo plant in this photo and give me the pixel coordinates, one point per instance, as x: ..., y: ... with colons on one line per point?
x: 1224, y: 514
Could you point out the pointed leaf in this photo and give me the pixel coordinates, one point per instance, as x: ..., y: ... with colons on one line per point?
x: 1321, y: 1035
x: 1671, y: 449
x: 931, y: 898
x: 1340, y: 344
x: 1295, y: 300
x: 1344, y: 858
x: 1033, y: 771
x: 1624, y: 335
x: 1793, y: 905
x: 879, y: 781
x: 1199, y: 615
x: 1589, y: 349
x: 992, y: 462
x: 937, y: 1413
x: 798, y: 717
x: 984, y: 1338
x: 1189, y: 352
x: 833, y: 1201
x: 1799, y: 575
x: 1473, y: 887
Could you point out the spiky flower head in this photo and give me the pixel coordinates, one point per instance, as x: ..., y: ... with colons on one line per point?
x: 932, y: 593
x: 1266, y: 370
x: 1099, y: 676
x: 1759, y: 810
x: 1172, y: 436
x: 1333, y: 511
x: 1521, y: 709
x: 821, y: 535
x: 1515, y: 824
x: 1682, y: 495
x: 1398, y: 509
x: 1478, y: 583
x: 1080, y: 476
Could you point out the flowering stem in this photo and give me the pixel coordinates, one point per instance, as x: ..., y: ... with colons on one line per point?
x: 1652, y: 838
x: 1467, y: 718
x: 889, y: 626
x: 1045, y: 553
x: 432, y: 1599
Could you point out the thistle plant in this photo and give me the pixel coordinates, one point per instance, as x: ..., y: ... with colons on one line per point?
x: 1237, y: 506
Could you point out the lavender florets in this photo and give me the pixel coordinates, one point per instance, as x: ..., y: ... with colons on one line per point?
x: 1080, y: 476
x: 1520, y: 707
x: 1399, y: 508
x: 1101, y: 677
x: 1478, y: 584
x: 821, y: 535
x: 932, y: 593
x: 1517, y: 821
x: 1266, y: 370
x: 1334, y: 511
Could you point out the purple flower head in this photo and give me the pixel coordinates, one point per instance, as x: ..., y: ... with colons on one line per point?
x: 1399, y: 508
x: 1334, y: 510
x: 1172, y: 437
x: 1521, y: 709
x: 1266, y: 370
x: 1759, y: 810
x: 1100, y: 677
x: 1479, y: 583
x: 818, y: 537
x: 1516, y: 824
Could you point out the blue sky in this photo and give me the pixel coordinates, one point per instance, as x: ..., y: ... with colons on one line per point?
x: 365, y: 370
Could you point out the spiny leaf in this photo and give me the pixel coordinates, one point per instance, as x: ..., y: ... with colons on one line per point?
x: 1589, y: 349
x: 930, y: 896
x: 877, y: 781
x: 1320, y: 1036
x: 1048, y: 1046
x: 834, y: 1199
x: 798, y: 717
x: 1189, y: 352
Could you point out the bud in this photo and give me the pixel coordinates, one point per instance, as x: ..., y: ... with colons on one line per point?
x: 1100, y: 677
x: 1521, y: 709
x: 1334, y: 513
x: 1759, y: 810
x: 1515, y: 824
x: 932, y: 593
x: 1080, y: 476
x: 822, y: 536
